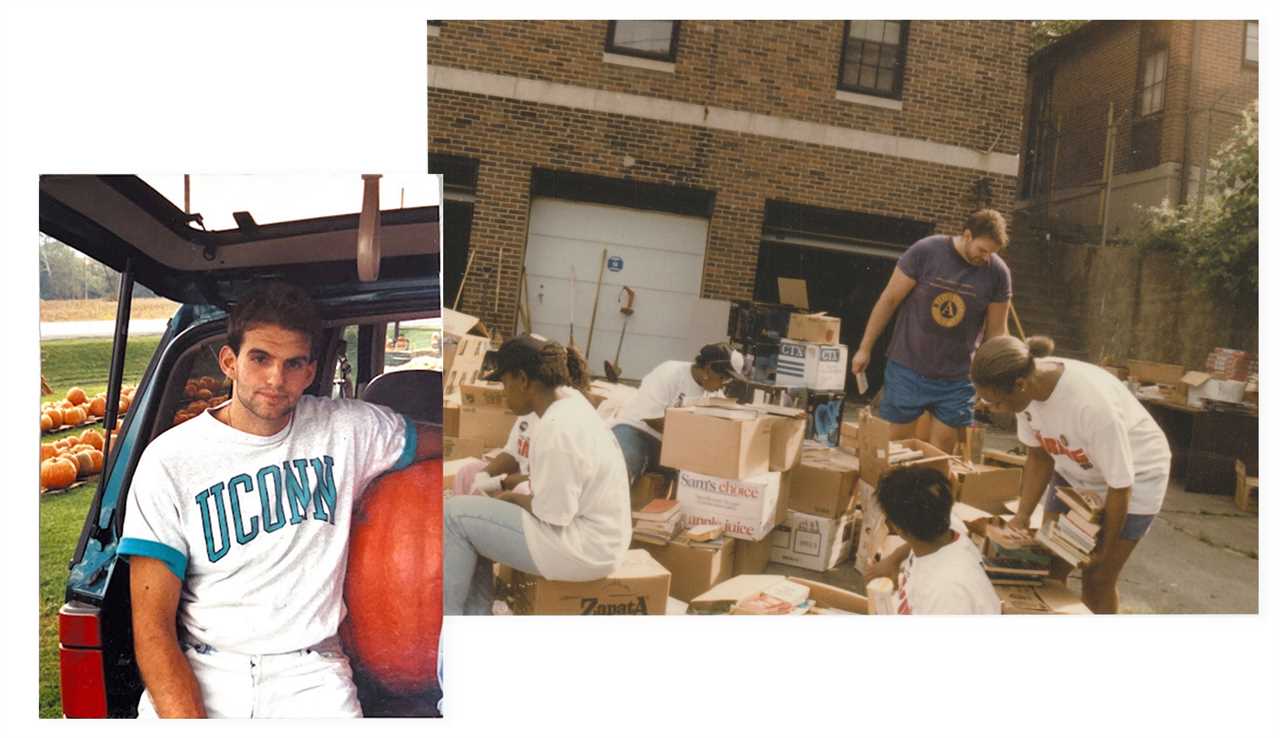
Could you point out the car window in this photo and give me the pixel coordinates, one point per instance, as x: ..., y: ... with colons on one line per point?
x: 196, y: 384
x: 414, y: 344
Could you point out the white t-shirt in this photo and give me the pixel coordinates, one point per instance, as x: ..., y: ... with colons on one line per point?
x: 670, y: 384
x: 518, y: 441
x: 949, y: 581
x: 581, y: 523
x: 1099, y: 436
x: 257, y: 527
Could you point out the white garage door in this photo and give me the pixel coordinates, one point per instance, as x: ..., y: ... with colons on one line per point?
x: 659, y: 255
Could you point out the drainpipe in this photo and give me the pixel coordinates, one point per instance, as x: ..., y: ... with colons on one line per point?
x: 1193, y: 74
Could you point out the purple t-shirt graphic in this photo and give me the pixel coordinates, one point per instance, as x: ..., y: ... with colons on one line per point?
x: 940, y: 322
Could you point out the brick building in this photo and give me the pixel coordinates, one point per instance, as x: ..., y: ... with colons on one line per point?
x: 1122, y: 114
x: 710, y: 158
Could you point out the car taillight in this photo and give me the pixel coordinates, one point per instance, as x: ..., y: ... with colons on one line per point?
x: 84, y: 691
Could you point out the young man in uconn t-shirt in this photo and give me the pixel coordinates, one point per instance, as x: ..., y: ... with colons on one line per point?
x: 237, y: 525
x: 949, y: 293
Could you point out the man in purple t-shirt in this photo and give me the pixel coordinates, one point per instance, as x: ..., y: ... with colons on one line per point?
x: 953, y: 291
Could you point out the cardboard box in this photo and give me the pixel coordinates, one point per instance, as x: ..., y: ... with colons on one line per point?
x: 717, y: 440
x: 480, y: 393
x: 811, y: 541
x: 849, y: 436
x: 458, y: 448
x: 693, y: 569
x: 873, y: 451
x: 723, y: 596
x: 786, y: 432
x: 751, y: 557
x: 987, y: 488
x: 814, y: 328
x: 451, y: 467
x: 1152, y: 372
x: 648, y: 487
x: 602, y: 391
x: 1051, y: 598
x: 464, y: 365
x: 639, y: 586
x: 451, y: 418
x: 747, y: 508
x: 488, y: 426
x: 812, y: 365
x: 824, y: 481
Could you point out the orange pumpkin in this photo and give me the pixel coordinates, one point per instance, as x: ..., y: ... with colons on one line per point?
x: 190, y: 389
x: 64, y: 404
x: 97, y: 458
x: 98, y: 406
x: 92, y: 437
x: 204, y: 394
x: 394, y: 579
x: 126, y: 403
x: 57, y: 473
x: 47, y: 451
x: 68, y: 456
x: 76, y: 396
x: 55, y: 417
x: 84, y: 463
x: 46, y: 422
x: 74, y: 416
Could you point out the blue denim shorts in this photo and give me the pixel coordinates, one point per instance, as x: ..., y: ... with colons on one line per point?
x: 907, y: 395
x: 1135, y: 526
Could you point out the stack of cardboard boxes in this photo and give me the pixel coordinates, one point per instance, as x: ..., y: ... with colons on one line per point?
x: 819, y: 529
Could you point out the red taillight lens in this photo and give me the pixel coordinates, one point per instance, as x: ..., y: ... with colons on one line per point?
x: 84, y: 692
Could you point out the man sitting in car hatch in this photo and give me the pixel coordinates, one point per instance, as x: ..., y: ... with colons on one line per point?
x: 238, y: 523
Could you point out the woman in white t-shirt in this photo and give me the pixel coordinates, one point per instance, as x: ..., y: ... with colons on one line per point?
x: 509, y: 470
x: 575, y: 525
x: 1079, y: 421
x: 638, y: 424
x: 938, y: 571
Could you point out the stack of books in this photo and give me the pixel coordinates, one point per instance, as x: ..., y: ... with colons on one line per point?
x: 657, y: 522
x: 783, y: 598
x: 1073, y: 536
x: 899, y: 453
x: 1014, y: 558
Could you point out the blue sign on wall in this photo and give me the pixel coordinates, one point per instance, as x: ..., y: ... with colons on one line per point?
x: 615, y: 263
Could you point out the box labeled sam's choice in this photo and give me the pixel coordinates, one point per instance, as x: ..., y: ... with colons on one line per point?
x: 639, y: 586
x: 812, y: 542
x: 719, y: 440
x: 747, y: 508
x: 812, y: 365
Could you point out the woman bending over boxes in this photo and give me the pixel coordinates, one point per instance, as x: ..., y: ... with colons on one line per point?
x: 1078, y: 420
x: 575, y: 525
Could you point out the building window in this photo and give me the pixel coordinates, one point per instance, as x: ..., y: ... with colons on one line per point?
x: 1154, y: 66
x: 1251, y: 43
x: 873, y: 57
x: 644, y: 38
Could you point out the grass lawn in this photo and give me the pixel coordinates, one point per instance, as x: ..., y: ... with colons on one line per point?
x: 86, y: 362
x: 78, y: 362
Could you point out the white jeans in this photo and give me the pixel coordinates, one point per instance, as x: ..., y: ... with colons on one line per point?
x: 310, y: 683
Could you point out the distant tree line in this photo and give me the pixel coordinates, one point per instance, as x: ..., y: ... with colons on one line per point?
x: 66, y: 274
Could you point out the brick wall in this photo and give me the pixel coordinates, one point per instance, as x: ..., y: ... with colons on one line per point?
x: 780, y: 68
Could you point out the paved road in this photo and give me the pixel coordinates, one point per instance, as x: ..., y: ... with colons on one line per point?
x: 99, y: 328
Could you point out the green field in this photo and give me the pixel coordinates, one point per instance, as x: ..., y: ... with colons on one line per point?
x: 84, y: 363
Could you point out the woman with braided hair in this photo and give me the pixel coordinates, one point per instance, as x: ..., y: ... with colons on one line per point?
x: 575, y: 523
x: 510, y: 469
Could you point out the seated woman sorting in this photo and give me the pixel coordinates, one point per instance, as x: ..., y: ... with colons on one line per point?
x: 576, y: 523
x: 509, y: 470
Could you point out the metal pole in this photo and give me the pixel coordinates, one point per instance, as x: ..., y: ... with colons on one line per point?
x: 1109, y: 160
